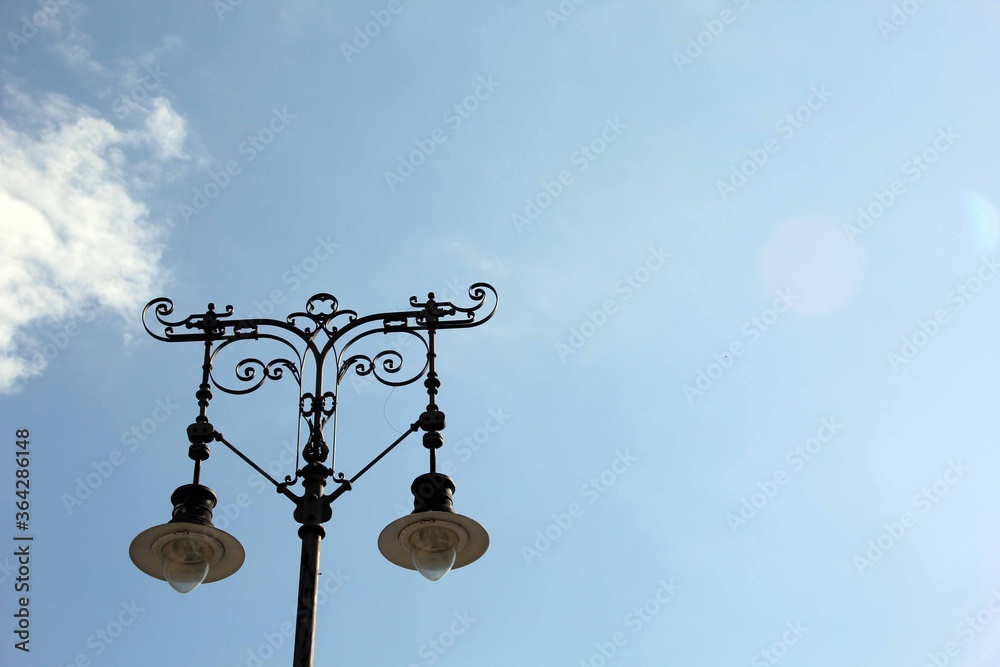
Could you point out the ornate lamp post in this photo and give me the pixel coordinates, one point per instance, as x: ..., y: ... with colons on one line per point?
x: 189, y: 550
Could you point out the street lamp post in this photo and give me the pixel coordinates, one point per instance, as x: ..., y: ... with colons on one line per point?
x: 434, y: 539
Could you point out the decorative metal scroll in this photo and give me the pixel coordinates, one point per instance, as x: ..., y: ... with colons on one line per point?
x: 320, y: 333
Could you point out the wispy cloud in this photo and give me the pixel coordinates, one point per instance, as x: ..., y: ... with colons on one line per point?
x: 72, y: 45
x: 76, y: 233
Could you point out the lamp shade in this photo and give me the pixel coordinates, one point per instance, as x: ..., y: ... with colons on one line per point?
x: 397, y: 544
x: 188, y: 550
x: 221, y: 551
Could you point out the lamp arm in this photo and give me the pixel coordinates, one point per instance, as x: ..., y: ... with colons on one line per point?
x: 279, y: 487
x: 345, y: 484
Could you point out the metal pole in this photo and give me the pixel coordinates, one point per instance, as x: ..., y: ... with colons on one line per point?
x: 299, y: 331
x: 312, y: 512
x: 305, y: 620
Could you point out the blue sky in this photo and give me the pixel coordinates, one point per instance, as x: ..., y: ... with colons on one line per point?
x: 736, y: 406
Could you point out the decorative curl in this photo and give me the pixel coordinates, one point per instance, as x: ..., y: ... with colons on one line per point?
x: 446, y: 315
x: 479, y: 292
x: 385, y: 363
x: 309, y: 405
x: 248, y: 370
x: 209, y: 322
x: 320, y: 310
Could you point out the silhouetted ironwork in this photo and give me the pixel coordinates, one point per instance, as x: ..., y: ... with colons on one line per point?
x: 320, y: 334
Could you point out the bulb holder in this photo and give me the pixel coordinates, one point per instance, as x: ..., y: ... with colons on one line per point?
x: 192, y: 518
x: 433, y: 507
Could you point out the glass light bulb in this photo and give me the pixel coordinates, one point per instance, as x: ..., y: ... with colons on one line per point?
x: 433, y: 551
x: 185, y: 564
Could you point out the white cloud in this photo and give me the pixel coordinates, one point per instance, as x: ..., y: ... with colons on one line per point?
x: 167, y: 129
x: 74, y: 235
x: 73, y: 46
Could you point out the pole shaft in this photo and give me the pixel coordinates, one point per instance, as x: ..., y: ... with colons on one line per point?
x: 305, y: 620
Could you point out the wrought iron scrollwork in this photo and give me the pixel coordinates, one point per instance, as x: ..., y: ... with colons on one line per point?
x: 480, y: 294
x: 321, y: 310
x: 388, y: 361
x: 320, y: 332
x: 256, y: 371
x: 210, y: 322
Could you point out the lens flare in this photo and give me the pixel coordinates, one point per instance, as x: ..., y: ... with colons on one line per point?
x: 982, y: 217
x: 811, y: 258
